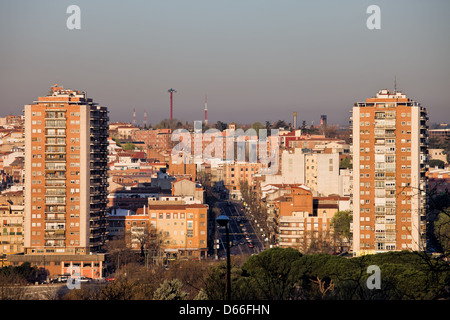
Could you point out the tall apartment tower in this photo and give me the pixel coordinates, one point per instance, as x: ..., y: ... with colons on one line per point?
x: 65, y: 174
x: 390, y: 137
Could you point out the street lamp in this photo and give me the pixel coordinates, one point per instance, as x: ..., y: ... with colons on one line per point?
x: 223, y: 220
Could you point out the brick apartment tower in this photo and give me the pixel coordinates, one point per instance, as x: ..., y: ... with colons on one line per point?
x: 66, y: 174
x: 390, y: 137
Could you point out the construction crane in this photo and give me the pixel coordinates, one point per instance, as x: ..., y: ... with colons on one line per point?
x: 171, y: 91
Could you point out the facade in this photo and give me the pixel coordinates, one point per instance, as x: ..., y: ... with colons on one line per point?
x: 237, y: 172
x: 155, y: 138
x: 184, y: 228
x: 11, y: 224
x: 389, y: 163
x: 187, y: 187
x: 438, y: 154
x: 438, y: 181
x: 318, y: 171
x: 305, y: 221
x: 181, y: 227
x: 439, y: 133
x: 65, y: 174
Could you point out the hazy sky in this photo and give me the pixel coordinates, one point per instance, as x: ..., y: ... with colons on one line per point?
x: 256, y: 60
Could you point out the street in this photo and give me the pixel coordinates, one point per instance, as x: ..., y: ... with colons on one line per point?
x: 243, y: 238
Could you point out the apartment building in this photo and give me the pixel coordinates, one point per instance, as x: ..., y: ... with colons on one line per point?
x: 318, y: 171
x: 11, y: 224
x: 389, y: 163
x: 181, y: 227
x: 438, y: 154
x: 155, y: 138
x: 66, y: 174
x: 184, y: 228
x: 235, y: 173
x: 304, y: 221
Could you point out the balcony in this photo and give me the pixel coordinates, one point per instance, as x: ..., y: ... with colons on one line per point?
x: 57, y: 234
x: 55, y: 167
x: 55, y: 218
x: 54, y: 176
x: 55, y: 158
x: 52, y: 150
x: 55, y: 192
x: 387, y: 124
x: 55, y: 183
x: 55, y: 135
x: 53, y: 244
x: 59, y: 229
x: 60, y: 201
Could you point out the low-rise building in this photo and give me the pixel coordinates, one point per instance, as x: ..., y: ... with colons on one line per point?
x: 181, y: 228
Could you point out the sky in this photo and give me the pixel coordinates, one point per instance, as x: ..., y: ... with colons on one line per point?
x: 256, y: 60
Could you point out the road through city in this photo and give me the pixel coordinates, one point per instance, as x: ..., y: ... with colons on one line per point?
x: 244, y: 239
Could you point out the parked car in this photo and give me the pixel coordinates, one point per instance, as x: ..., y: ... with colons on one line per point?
x: 84, y: 279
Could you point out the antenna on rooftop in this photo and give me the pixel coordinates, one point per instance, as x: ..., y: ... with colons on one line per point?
x: 395, y: 84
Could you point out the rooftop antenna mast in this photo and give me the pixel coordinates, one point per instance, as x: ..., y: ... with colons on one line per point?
x: 395, y: 84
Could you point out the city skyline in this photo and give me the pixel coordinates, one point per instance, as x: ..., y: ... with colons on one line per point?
x: 255, y: 61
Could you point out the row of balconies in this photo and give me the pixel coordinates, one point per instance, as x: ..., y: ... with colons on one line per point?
x: 57, y: 234
x: 56, y: 192
x: 55, y: 244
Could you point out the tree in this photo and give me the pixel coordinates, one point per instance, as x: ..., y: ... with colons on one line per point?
x: 169, y: 124
x: 341, y: 223
x: 346, y: 163
x: 128, y: 146
x: 170, y: 290
x: 442, y: 233
x: 330, y: 131
x: 279, y: 124
x: 272, y: 272
x: 258, y: 126
x: 12, y: 285
x: 341, y: 226
x: 436, y: 163
x: 303, y: 127
x: 221, y: 126
x: 119, y: 254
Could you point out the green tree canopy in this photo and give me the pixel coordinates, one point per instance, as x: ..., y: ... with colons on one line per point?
x: 341, y: 223
x: 128, y: 146
x: 272, y: 272
x: 170, y: 290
